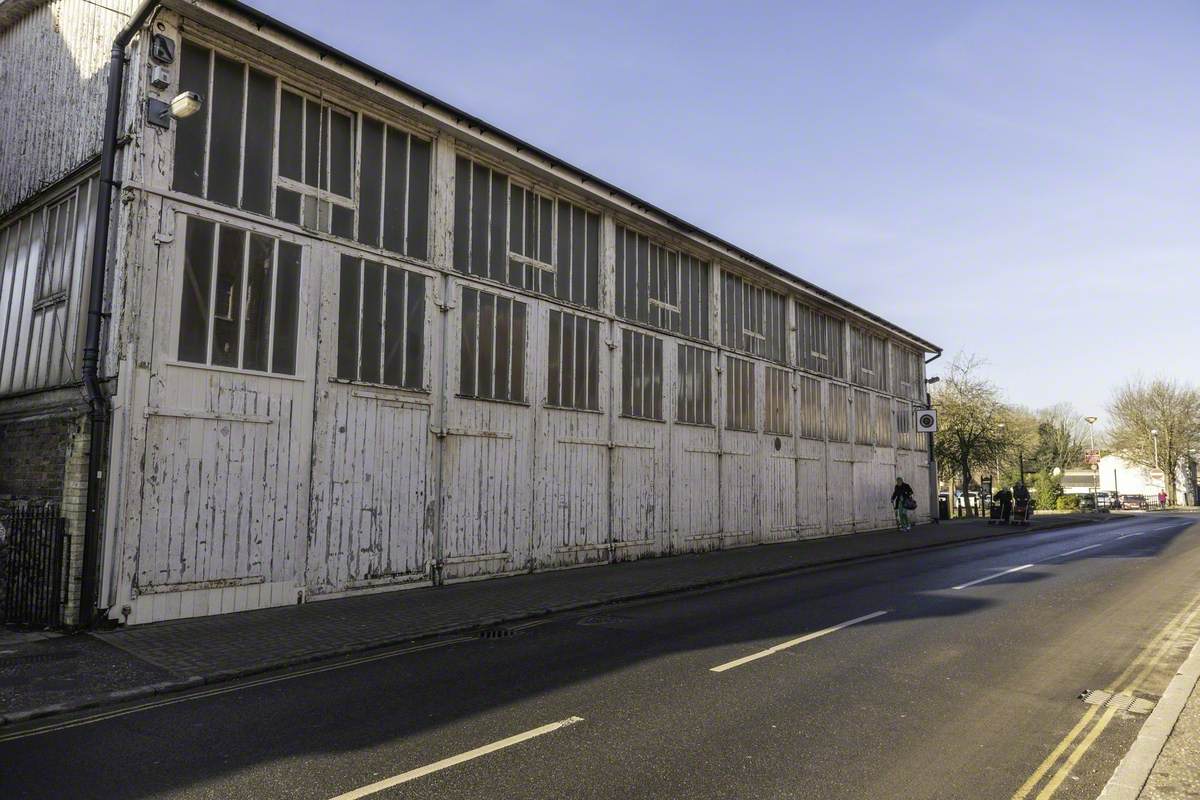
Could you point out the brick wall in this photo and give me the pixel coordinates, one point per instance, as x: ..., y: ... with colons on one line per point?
x: 45, y: 460
x: 33, y: 454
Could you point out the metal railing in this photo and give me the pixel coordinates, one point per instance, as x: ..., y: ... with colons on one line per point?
x: 33, y: 550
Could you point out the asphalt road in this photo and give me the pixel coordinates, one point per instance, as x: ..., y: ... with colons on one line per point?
x: 936, y: 689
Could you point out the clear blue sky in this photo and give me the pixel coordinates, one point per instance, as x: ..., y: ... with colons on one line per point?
x: 1015, y: 179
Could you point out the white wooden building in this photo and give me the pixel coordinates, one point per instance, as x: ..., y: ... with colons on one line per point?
x: 360, y: 340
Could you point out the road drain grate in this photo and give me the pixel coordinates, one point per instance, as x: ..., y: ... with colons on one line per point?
x: 1121, y: 702
x: 495, y: 633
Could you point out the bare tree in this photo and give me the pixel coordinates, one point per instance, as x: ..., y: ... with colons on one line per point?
x: 969, y: 415
x: 1061, y: 434
x: 1166, y: 406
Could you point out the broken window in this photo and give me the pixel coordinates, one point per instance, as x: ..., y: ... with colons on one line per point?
x: 819, y: 341
x: 752, y: 318
x: 381, y: 324
x: 492, y: 349
x: 519, y: 236
x: 641, y: 375
x: 240, y: 295
x: 573, y: 371
x: 695, y: 378
x: 224, y: 153
x: 811, y: 408
x: 838, y: 413
x: 778, y: 416
x: 657, y: 286
x: 739, y: 394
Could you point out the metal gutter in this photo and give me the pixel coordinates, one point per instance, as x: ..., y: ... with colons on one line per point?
x: 97, y: 397
x: 263, y: 19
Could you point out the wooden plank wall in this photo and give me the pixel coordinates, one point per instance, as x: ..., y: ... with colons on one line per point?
x: 56, y: 65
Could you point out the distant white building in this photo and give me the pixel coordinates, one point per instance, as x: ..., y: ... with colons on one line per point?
x: 1121, y: 476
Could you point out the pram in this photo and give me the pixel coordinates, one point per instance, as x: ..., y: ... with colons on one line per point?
x: 1022, y: 511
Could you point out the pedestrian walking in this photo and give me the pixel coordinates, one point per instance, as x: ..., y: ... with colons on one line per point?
x: 1162, y: 499
x: 903, y: 502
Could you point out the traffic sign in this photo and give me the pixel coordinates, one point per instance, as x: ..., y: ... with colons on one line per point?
x: 1092, y: 457
x: 1157, y: 475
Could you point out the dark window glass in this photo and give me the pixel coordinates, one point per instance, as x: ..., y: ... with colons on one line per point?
x: 649, y: 278
x: 393, y: 327
x: 499, y: 228
x: 370, y: 195
x: 225, y: 143
x: 287, y: 206
x: 348, y: 318
x: 414, y: 349
x: 260, y: 137
x: 468, y: 363
x: 694, y: 404
x: 641, y: 375
x: 486, y: 373
x: 342, y: 223
x: 554, y: 361
x: 313, y: 144
x: 258, y: 303
x: 518, y: 353
x: 291, y: 136
x: 341, y: 153
x: 739, y: 387
x: 569, y: 365
x: 191, y: 132
x: 231, y: 254
x: 287, y: 309
x: 462, y: 214
x: 371, y: 330
x: 778, y: 401
x: 197, y: 280
x: 480, y: 203
x: 503, y: 350
x: 418, y: 198
x: 395, y: 184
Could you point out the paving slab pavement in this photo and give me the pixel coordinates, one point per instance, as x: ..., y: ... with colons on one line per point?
x: 107, y: 667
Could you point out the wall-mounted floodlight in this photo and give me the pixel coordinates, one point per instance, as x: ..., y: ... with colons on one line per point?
x: 182, y: 106
x: 932, y: 380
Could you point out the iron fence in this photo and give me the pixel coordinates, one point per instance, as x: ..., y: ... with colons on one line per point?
x: 33, y: 549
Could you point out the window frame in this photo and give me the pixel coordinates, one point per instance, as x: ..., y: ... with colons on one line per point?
x: 713, y: 357
x: 599, y: 362
x: 303, y: 301
x: 460, y: 286
x: 789, y: 392
x: 653, y: 338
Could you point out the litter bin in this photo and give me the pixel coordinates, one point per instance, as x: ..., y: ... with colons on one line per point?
x: 943, y: 508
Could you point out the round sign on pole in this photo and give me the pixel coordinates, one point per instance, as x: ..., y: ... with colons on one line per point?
x: 1157, y: 475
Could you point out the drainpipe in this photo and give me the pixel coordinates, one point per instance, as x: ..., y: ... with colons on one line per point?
x: 97, y: 399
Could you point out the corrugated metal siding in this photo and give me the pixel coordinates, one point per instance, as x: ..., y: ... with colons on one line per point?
x: 53, y: 60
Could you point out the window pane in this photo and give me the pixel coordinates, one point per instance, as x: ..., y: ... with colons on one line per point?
x: 394, y: 187
x: 197, y: 279
x: 487, y: 343
x: 414, y: 351
x: 518, y: 352
x: 291, y: 135
x: 225, y: 142
x: 578, y: 261
x: 348, y: 321
x: 553, y: 359
x: 258, y: 302
x: 581, y: 363
x: 370, y: 195
x: 343, y: 222
x: 499, y: 249
x: 503, y: 347
x: 341, y: 153
x: 287, y: 309
x: 312, y: 142
x: 260, y: 139
x: 287, y: 206
x: 592, y: 265
x: 393, y: 327
x: 191, y: 132
x: 371, y: 332
x: 462, y: 214
x: 418, y: 198
x: 231, y: 254
x: 568, y: 360
x: 593, y: 385
x: 481, y: 182
x: 468, y: 362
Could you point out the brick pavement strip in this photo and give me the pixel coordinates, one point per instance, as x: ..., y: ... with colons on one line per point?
x: 218, y: 648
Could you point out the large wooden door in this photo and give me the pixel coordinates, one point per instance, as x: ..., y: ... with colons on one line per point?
x: 372, y: 512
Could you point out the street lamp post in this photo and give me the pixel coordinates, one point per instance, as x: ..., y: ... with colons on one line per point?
x: 1091, y: 421
x: 1154, y: 433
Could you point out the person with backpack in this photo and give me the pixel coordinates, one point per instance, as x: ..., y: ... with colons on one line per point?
x: 903, y: 502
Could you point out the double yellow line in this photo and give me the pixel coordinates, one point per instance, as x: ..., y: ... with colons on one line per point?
x: 1150, y: 657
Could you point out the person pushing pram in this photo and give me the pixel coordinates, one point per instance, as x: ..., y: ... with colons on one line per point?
x: 1002, y: 507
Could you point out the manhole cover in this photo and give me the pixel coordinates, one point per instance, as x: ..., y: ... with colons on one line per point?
x: 1121, y: 702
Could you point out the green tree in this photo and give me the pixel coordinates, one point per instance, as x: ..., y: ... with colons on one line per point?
x: 1061, y: 435
x: 1169, y: 407
x: 969, y: 412
x: 1047, y: 488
